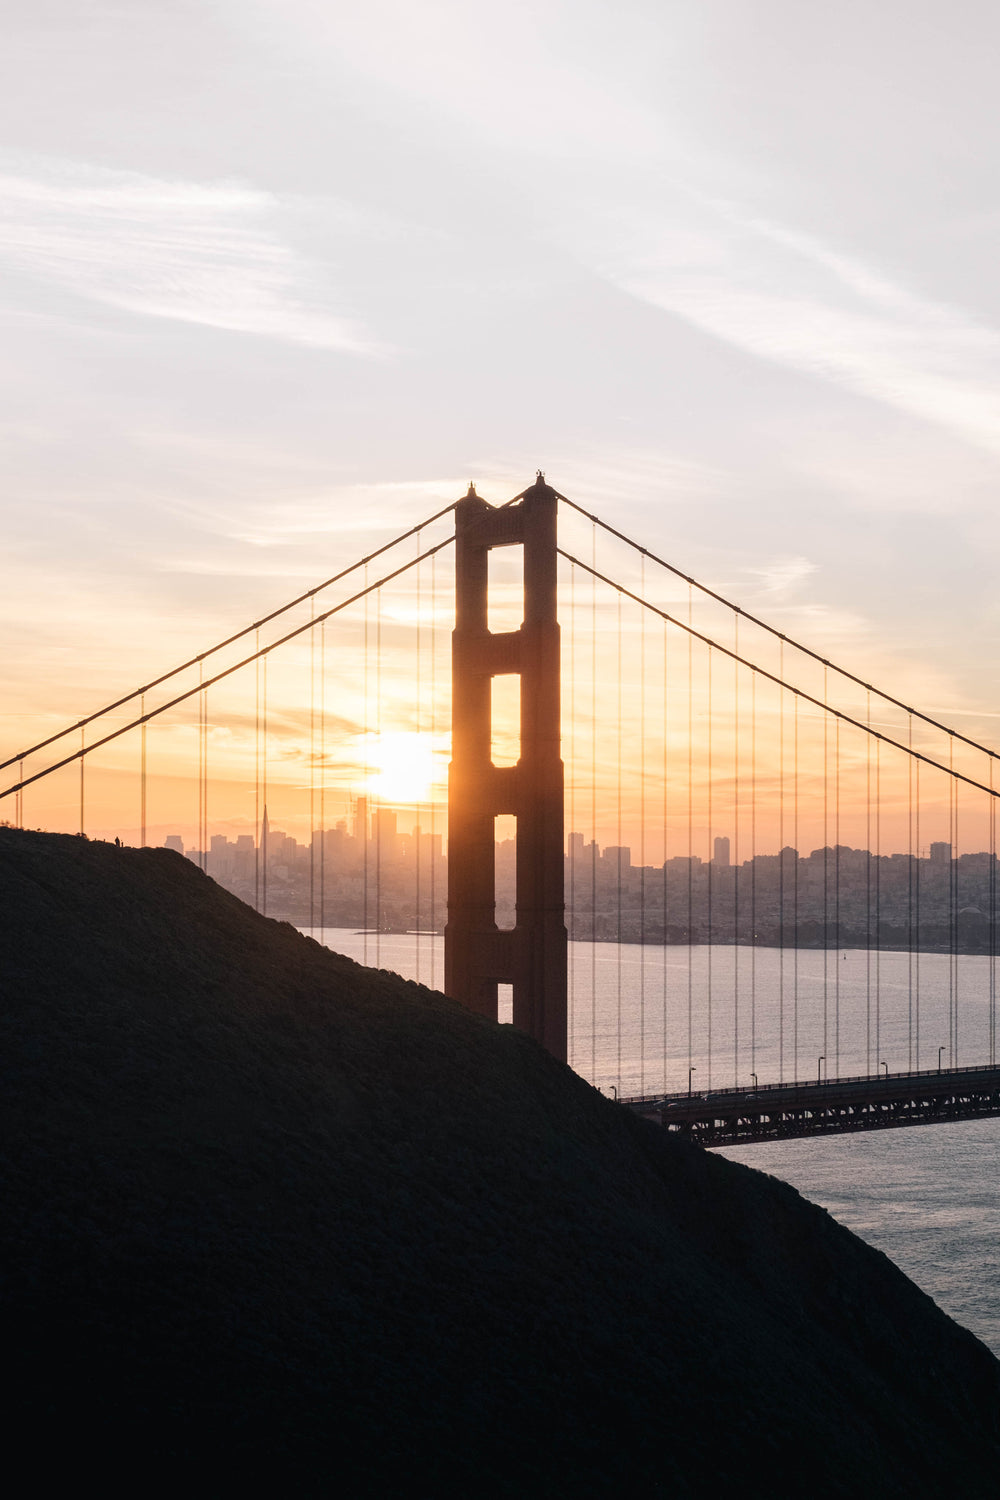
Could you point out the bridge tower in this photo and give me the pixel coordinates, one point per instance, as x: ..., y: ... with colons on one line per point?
x: 532, y: 955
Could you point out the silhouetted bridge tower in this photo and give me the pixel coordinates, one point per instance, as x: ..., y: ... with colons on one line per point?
x: 531, y: 956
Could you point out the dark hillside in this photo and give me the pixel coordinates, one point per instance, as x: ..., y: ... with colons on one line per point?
x: 273, y: 1218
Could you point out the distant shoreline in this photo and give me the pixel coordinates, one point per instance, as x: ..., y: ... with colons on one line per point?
x: 850, y: 943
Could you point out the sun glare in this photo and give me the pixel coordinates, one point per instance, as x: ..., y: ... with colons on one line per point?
x: 403, y: 767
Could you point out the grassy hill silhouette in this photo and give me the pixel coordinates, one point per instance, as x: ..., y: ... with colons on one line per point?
x: 271, y: 1218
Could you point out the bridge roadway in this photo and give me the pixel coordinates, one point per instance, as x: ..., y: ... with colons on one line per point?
x: 786, y: 1111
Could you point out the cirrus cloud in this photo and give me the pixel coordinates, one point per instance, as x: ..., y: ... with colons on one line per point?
x: 209, y: 253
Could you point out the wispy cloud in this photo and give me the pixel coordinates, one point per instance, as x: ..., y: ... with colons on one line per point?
x: 782, y: 575
x: 784, y: 296
x: 280, y: 536
x: 207, y: 253
x: 362, y: 509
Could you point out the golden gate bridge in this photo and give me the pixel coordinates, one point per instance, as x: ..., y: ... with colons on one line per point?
x: 681, y: 948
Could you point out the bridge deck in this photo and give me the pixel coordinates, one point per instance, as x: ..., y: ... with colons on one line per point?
x: 785, y: 1111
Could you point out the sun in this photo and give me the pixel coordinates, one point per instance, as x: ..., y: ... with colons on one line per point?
x: 403, y: 767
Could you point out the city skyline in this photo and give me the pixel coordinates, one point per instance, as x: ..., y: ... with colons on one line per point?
x: 372, y: 873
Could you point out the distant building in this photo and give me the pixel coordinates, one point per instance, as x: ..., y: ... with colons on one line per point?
x: 721, y: 856
x: 618, y: 859
x: 941, y: 854
x: 175, y: 842
x: 384, y: 835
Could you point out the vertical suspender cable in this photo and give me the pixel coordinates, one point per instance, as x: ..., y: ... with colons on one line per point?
x: 204, y: 840
x: 642, y: 833
x: 781, y: 865
x: 322, y: 779
x: 836, y: 897
x: 993, y: 924
x: 202, y: 773
x: 916, y: 921
x: 142, y: 773
x: 618, y: 794
x: 433, y: 691
x: 200, y: 781
x: 200, y: 777
x: 377, y: 818
x: 952, y: 917
x: 826, y: 871
x: 362, y: 818
x: 753, y: 873
x: 735, y: 862
x: 418, y: 924
x: 955, y: 964
x: 868, y: 886
x: 878, y: 902
x: 256, y: 767
x: 83, y: 759
x: 312, y: 770
x: 265, y: 853
x: 593, y: 807
x: 795, y: 889
x: 909, y: 923
x: 571, y: 914
x: 664, y: 809
x: 711, y: 868
x: 690, y: 847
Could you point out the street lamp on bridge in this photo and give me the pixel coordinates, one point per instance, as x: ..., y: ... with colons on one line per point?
x: 690, y: 1071
x: 819, y: 1068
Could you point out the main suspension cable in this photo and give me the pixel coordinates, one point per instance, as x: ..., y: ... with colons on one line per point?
x: 800, y: 694
x: 771, y: 630
x: 229, y: 641
x: 261, y: 653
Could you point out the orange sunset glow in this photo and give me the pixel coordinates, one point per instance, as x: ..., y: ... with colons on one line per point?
x: 669, y: 742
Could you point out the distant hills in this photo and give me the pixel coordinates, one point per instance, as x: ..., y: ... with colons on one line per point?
x: 272, y: 1219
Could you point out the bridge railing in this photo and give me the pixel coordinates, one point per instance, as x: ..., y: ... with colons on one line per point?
x: 886, y: 1082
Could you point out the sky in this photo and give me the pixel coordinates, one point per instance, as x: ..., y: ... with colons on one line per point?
x: 278, y: 279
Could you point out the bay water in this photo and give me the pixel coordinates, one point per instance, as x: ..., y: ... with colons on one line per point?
x: 645, y: 1020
